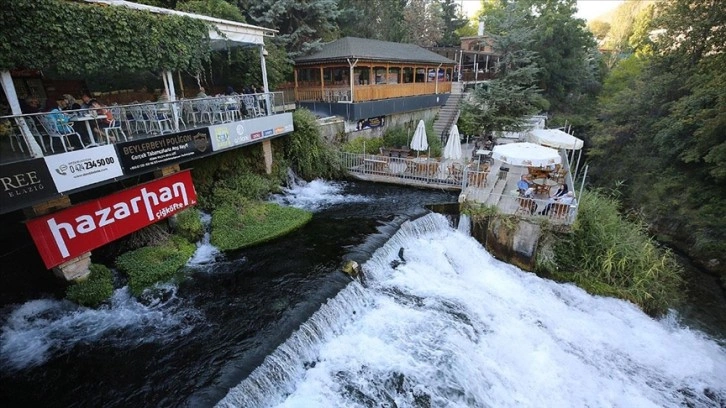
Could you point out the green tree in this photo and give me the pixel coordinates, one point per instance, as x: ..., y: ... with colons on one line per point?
x: 376, y: 19
x: 661, y: 120
x: 213, y: 8
x: 424, y: 22
x: 453, y: 20
x: 599, y: 29
x: 302, y: 24
x: 506, y: 100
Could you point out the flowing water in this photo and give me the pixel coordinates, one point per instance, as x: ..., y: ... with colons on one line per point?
x: 435, y: 321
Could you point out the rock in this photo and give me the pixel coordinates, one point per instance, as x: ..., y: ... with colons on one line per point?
x: 351, y: 268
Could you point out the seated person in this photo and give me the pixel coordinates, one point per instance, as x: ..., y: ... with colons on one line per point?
x: 87, y: 100
x: 527, y: 202
x: 202, y: 93
x: 105, y: 119
x: 567, y: 199
x: 523, y: 184
x: 31, y: 104
x: 561, y: 190
x: 60, y: 119
x: 71, y: 103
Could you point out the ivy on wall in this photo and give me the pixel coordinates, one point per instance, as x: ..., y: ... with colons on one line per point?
x: 82, y: 38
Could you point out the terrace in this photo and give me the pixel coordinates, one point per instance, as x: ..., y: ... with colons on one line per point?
x: 88, y: 128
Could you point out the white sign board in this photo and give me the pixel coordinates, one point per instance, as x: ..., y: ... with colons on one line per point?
x: 84, y: 167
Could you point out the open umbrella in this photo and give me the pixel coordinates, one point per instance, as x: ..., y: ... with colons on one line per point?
x: 453, y: 145
x: 555, y: 138
x: 419, y: 143
x: 526, y: 154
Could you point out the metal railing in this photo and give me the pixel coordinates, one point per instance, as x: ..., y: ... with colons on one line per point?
x: 46, y: 133
x: 421, y: 170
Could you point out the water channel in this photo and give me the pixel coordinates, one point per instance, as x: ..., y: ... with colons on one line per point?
x: 436, y: 322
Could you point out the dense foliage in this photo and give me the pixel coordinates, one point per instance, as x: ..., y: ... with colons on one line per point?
x: 609, y: 255
x: 82, y: 38
x: 248, y: 223
x: 149, y: 265
x: 93, y: 291
x: 307, y: 153
x: 661, y: 119
x: 394, y: 137
x: 513, y: 94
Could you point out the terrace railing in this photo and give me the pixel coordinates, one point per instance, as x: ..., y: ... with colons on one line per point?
x: 45, y: 133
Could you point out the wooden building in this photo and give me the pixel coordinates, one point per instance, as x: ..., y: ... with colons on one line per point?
x: 359, y: 78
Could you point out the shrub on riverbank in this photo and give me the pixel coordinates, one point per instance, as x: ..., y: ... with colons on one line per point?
x: 189, y: 225
x: 158, y: 263
x: 394, y: 136
x: 609, y: 255
x: 307, y: 152
x: 252, y: 223
x: 94, y: 290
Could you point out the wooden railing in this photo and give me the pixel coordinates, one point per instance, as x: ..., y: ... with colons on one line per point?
x: 364, y: 93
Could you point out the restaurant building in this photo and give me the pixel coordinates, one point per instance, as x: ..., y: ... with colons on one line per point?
x: 359, y: 79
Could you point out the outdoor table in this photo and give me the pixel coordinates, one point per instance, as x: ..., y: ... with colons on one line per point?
x: 543, y: 185
x: 87, y: 119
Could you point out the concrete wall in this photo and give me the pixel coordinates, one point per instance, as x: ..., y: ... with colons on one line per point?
x: 399, y: 119
x: 512, y: 240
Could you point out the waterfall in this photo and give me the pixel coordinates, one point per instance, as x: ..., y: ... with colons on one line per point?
x: 464, y: 224
x: 206, y: 252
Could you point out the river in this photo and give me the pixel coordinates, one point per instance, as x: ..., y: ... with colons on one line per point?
x: 435, y: 322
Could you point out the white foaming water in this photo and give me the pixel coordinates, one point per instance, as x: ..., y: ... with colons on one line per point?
x: 42, y: 329
x: 453, y: 327
x: 206, y: 252
x: 316, y: 195
x: 464, y: 224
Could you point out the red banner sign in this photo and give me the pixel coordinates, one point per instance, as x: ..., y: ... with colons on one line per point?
x: 66, y: 234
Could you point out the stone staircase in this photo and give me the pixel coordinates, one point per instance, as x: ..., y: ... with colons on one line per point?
x: 449, y: 113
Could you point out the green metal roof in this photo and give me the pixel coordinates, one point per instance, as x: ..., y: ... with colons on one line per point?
x: 367, y: 49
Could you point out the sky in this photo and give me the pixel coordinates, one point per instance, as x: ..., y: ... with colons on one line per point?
x: 587, y: 9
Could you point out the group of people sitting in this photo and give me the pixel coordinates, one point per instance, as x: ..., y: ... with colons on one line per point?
x: 67, y: 107
x: 561, y: 196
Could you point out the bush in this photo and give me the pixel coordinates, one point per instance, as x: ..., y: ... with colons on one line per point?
x: 309, y: 155
x: 189, y: 225
x: 236, y: 227
x: 608, y: 255
x: 148, y: 265
x: 94, y: 290
x: 357, y: 145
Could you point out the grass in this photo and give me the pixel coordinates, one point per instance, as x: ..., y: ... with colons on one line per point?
x: 93, y: 291
x: 609, y: 255
x: 240, y: 226
x: 158, y: 263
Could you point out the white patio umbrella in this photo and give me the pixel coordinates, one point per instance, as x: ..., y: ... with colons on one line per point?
x: 419, y: 143
x: 555, y: 138
x: 526, y: 154
x: 452, y: 150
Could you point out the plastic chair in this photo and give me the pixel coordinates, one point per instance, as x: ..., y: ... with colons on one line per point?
x: 59, y: 131
x: 115, y: 126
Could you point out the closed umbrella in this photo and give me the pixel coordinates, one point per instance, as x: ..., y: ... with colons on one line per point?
x: 526, y: 154
x: 452, y: 150
x: 419, y: 143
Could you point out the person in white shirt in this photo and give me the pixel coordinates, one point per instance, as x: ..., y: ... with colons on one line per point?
x: 567, y: 199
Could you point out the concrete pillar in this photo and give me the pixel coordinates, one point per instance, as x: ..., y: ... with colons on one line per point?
x: 267, y: 153
x: 77, y: 269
